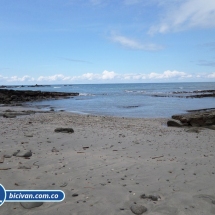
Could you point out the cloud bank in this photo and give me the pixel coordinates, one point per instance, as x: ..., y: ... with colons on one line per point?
x: 108, y: 76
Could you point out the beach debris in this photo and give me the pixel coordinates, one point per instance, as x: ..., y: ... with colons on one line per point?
x: 138, y: 209
x: 29, y: 205
x: 2, y: 159
x: 151, y: 197
x: 64, y: 130
x: 86, y: 147
x: 24, y: 153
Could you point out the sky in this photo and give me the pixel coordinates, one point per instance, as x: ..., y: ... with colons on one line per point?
x: 106, y: 41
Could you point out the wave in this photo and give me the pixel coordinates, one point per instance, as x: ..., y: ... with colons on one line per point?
x: 85, y: 94
x: 56, y: 87
x: 135, y: 91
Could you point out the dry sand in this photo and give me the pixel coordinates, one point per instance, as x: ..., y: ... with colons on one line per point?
x: 125, y: 159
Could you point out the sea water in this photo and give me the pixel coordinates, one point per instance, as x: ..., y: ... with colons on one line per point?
x: 128, y: 100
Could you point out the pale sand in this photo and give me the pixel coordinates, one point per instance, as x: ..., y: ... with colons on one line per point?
x: 125, y: 159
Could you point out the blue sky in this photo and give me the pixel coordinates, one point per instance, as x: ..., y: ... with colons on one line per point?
x: 106, y: 41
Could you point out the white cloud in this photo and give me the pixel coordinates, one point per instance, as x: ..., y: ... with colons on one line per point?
x: 212, y: 75
x: 106, y: 76
x: 18, y: 79
x: 169, y: 74
x: 133, y: 44
x: 186, y: 14
x: 58, y: 77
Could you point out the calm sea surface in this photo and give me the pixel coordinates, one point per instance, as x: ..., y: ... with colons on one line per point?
x: 128, y: 100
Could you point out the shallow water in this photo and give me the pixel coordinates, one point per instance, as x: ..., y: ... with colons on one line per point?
x: 128, y: 100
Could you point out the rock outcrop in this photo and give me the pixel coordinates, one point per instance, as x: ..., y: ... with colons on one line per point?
x: 195, y: 119
x: 20, y: 96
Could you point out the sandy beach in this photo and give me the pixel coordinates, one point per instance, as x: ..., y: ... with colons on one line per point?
x: 108, y: 164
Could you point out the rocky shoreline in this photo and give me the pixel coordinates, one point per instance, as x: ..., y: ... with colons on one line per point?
x: 192, y: 94
x: 19, y: 96
x: 204, y: 118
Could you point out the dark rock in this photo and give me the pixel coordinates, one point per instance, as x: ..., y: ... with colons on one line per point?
x: 24, y: 153
x: 138, y: 209
x: 74, y: 195
x: 201, y: 118
x: 16, y: 96
x: 64, y: 130
x: 173, y: 123
x: 151, y: 197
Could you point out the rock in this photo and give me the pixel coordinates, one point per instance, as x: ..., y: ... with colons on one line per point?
x: 201, y: 118
x: 212, y: 127
x: 15, y: 153
x: 64, y: 130
x: 151, y: 197
x: 29, y: 205
x: 173, y: 123
x: 74, y: 195
x: 64, y: 184
x: 138, y: 209
x: 17, y: 96
x: 8, y: 156
x: 24, y: 153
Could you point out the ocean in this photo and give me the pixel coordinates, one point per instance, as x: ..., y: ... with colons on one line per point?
x: 144, y: 100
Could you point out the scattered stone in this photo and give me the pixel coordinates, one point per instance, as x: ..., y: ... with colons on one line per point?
x: 64, y: 184
x: 151, y: 197
x: 8, y: 156
x: 64, y: 130
x: 54, y: 150
x: 29, y: 205
x: 24, y: 153
x: 138, y: 209
x: 74, y: 195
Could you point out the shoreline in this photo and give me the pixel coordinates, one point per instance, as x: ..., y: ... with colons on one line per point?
x: 107, y: 164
